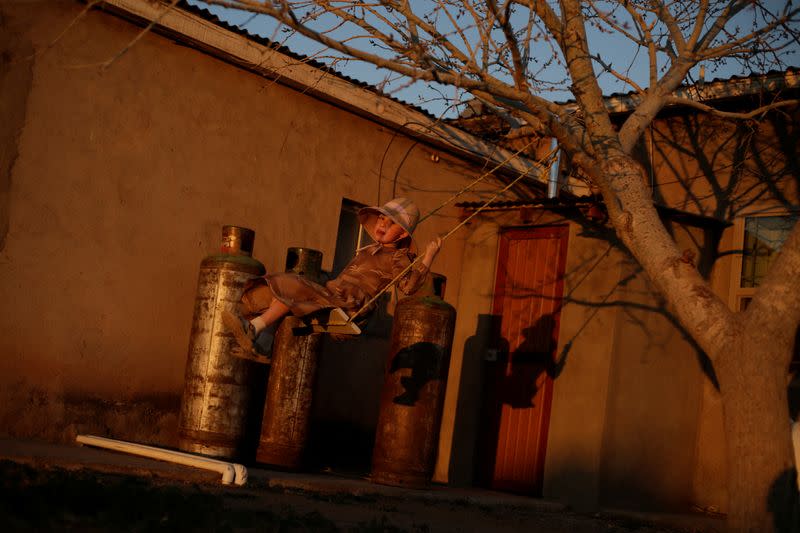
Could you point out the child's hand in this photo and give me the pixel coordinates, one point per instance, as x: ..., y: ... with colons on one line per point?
x: 431, y: 250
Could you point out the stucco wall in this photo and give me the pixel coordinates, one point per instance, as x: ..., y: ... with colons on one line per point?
x: 654, y: 403
x: 728, y: 170
x: 632, y: 422
x: 123, y: 179
x: 472, y: 337
x: 577, y: 416
x: 580, y: 393
x: 724, y: 168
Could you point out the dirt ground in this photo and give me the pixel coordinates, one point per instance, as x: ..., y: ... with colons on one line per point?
x: 45, y: 498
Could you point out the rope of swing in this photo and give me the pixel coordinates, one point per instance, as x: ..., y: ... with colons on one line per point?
x: 548, y: 158
x: 476, y: 181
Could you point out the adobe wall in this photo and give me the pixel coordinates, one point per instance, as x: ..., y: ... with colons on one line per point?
x: 464, y: 396
x: 637, y: 424
x: 653, y: 410
x: 632, y: 422
x: 580, y: 393
x: 727, y: 170
x: 723, y: 168
x: 577, y: 417
x: 117, y: 185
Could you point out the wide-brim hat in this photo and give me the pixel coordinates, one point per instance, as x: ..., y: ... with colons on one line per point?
x: 401, y: 211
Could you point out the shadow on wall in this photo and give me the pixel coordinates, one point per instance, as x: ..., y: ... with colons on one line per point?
x: 783, y: 503
x: 534, y: 356
x: 513, y: 380
x: 492, y: 377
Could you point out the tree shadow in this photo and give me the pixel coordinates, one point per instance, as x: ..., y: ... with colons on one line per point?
x: 704, y: 171
x: 743, y: 166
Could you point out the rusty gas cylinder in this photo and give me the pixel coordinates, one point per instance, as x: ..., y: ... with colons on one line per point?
x: 305, y: 262
x: 412, y: 397
x: 220, y: 390
x: 287, y: 411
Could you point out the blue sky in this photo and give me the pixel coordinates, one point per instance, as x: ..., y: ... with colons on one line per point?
x: 614, y: 47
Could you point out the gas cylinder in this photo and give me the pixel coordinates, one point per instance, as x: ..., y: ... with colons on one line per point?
x: 407, y: 434
x: 220, y: 390
x: 287, y: 410
x: 305, y: 262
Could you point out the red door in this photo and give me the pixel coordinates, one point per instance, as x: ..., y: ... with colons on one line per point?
x: 527, y: 300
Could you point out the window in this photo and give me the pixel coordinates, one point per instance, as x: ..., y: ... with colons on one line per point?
x: 350, y: 235
x: 761, y: 239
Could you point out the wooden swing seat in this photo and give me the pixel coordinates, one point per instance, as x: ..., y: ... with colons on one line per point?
x: 336, y: 322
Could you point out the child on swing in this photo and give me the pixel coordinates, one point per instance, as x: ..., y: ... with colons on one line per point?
x: 374, y: 266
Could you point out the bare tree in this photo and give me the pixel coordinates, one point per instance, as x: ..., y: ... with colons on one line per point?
x: 505, y: 53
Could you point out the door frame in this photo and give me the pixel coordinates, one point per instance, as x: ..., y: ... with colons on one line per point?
x: 560, y: 232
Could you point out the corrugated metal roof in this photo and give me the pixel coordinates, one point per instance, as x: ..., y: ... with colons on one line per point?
x: 482, y: 122
x: 716, y: 89
x: 617, y: 102
x: 211, y: 17
x: 517, y: 204
x: 792, y: 72
x: 571, y: 202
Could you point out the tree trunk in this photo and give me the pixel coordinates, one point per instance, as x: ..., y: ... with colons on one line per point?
x: 761, y: 477
x: 750, y: 350
x: 702, y: 313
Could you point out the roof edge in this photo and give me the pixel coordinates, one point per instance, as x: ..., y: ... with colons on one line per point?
x: 717, y: 89
x: 264, y: 60
x: 680, y: 215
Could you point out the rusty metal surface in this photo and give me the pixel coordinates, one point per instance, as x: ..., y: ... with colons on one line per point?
x: 439, y: 284
x: 220, y: 390
x: 412, y: 397
x: 305, y: 262
x: 237, y: 240
x: 284, y: 428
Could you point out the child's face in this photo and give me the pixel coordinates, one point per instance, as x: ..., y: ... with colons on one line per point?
x: 387, y: 231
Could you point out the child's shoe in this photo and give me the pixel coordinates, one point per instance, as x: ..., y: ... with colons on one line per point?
x: 262, y: 344
x: 250, y: 355
x: 243, y: 331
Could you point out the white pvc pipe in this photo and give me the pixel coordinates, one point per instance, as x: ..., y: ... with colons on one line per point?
x: 231, y: 472
x: 553, y: 179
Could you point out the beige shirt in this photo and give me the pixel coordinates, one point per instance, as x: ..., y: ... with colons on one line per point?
x: 372, y: 268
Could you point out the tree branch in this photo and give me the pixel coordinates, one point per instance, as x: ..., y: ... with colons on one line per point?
x: 518, y: 71
x: 549, y: 17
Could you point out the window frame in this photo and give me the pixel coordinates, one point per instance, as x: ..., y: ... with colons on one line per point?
x: 351, y: 207
x: 737, y: 294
